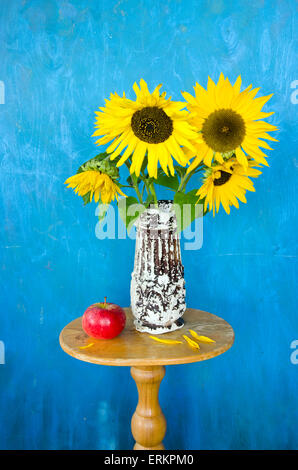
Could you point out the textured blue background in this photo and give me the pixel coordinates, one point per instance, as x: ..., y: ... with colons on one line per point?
x: 59, y: 59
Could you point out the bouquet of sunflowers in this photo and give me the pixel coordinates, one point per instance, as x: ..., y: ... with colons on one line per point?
x: 218, y: 134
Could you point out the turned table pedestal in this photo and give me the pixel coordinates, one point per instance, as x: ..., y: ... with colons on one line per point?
x: 147, y: 360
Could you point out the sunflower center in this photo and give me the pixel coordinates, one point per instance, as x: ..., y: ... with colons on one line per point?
x: 221, y: 177
x: 223, y: 130
x: 152, y: 125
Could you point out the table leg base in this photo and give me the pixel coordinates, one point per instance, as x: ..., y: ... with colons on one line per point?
x: 139, y: 447
x: 148, y: 424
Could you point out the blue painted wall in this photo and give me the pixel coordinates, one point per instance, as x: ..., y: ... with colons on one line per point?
x: 59, y: 60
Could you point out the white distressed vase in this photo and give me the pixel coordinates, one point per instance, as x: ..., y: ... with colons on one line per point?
x: 157, y: 284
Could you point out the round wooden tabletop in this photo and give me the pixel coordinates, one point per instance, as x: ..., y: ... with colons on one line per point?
x: 132, y: 348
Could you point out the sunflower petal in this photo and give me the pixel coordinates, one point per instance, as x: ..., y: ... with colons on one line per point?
x: 203, y: 339
x: 165, y: 341
x: 191, y: 343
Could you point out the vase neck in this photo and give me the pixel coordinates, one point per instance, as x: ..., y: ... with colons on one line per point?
x: 160, y: 217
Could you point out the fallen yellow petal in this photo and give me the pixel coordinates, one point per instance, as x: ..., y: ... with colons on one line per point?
x: 166, y: 341
x: 203, y: 339
x: 191, y: 343
x: 88, y: 346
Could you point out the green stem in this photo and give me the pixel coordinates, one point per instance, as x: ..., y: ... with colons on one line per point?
x: 135, y: 184
x: 186, y: 178
x: 182, y: 183
x: 144, y: 186
x: 151, y: 186
x: 145, y: 181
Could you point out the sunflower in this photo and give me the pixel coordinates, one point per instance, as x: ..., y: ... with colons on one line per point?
x: 100, y: 185
x: 226, y: 183
x: 229, y: 121
x: 151, y: 126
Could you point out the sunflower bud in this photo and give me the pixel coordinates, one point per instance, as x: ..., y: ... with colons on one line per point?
x: 103, y: 165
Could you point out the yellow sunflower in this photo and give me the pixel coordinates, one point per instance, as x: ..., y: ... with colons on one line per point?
x: 228, y: 121
x: 151, y: 125
x: 226, y: 183
x: 98, y: 184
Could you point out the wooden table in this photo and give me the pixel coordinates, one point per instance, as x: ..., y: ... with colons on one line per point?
x: 147, y: 359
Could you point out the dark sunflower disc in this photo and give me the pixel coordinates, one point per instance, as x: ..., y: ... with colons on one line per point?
x: 223, y: 130
x: 224, y: 177
x: 152, y: 125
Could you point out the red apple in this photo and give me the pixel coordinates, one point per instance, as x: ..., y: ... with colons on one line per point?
x: 103, y: 320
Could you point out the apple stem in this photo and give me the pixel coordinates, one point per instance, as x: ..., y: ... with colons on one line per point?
x: 105, y: 300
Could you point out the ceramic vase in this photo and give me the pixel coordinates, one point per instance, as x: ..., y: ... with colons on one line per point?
x: 157, y: 283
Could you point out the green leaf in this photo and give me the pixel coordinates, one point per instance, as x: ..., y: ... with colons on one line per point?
x: 101, y: 212
x: 129, y: 210
x: 181, y: 170
x: 135, y: 179
x: 132, y: 178
x: 86, y: 198
x: 193, y: 193
x: 144, y: 164
x: 123, y: 185
x: 187, y: 208
x: 148, y: 201
x: 98, y: 158
x: 171, y: 182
